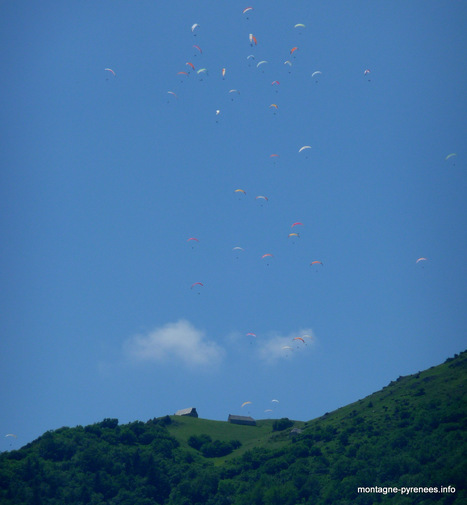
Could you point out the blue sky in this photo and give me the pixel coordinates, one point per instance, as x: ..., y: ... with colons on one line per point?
x: 104, y: 178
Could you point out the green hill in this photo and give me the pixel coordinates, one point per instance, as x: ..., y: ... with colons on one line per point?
x: 411, y: 435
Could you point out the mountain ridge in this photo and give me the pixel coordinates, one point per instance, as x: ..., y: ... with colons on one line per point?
x: 411, y: 434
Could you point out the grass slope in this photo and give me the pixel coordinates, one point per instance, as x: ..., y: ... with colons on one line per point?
x: 261, y: 435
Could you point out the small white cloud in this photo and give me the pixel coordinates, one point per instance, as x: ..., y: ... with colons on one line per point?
x: 279, y: 346
x: 178, y: 343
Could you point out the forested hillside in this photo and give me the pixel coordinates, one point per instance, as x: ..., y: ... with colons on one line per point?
x: 411, y: 434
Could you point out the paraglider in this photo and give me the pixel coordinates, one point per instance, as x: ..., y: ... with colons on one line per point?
x: 289, y: 63
x: 199, y: 48
x: 267, y: 255
x: 304, y: 148
x: 252, y: 337
x: 299, y: 25
x: 299, y: 338
x: 196, y: 284
x: 253, y: 40
x: 237, y: 249
x: 275, y: 401
x: 262, y: 197
x: 450, y: 156
x: 250, y: 57
x: 316, y: 73
x: 421, y: 259
x: 245, y: 403
x: 173, y: 94
x: 247, y: 9
x: 293, y: 50
x: 193, y: 28
x: 190, y: 65
x: 261, y: 63
x: 193, y: 241
x: 316, y: 262
x: 111, y: 71
x: 232, y: 92
x: 297, y: 224
x: 242, y: 191
x: 293, y: 235
x: 223, y: 72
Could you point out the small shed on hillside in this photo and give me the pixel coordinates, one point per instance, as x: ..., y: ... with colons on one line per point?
x: 246, y: 420
x: 187, y: 412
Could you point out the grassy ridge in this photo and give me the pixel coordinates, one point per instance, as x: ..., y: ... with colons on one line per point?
x: 261, y: 435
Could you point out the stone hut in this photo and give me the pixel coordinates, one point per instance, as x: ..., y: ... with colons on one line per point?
x: 191, y: 412
x: 246, y: 420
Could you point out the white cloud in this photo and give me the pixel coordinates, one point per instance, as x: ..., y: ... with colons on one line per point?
x: 276, y: 347
x: 177, y: 343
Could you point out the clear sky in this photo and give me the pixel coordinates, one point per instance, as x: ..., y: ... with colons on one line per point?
x: 105, y: 176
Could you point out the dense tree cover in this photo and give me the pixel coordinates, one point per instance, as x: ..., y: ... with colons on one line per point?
x: 412, y: 433
x: 210, y: 448
x: 282, y: 424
